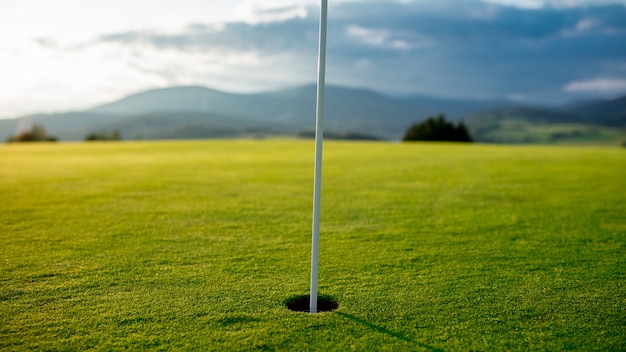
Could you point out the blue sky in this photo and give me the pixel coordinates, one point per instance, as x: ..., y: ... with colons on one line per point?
x: 66, y: 55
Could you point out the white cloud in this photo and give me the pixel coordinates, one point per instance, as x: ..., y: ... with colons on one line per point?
x: 256, y: 11
x: 586, y: 24
x: 583, y: 26
x: 526, y: 4
x: 598, y: 85
x: 539, y: 4
x: 51, y: 80
x: 370, y: 36
x: 382, y: 38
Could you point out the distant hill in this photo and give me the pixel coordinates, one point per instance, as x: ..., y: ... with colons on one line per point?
x: 200, y: 112
x: 596, y: 122
x: 601, y: 112
x: 347, y: 109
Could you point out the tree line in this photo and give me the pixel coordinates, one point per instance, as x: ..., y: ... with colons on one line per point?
x: 434, y: 128
x: 38, y: 133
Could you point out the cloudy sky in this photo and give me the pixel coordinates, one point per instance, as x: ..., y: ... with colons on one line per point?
x: 60, y: 55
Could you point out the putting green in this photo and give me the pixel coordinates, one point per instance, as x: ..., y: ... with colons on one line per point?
x: 198, y: 245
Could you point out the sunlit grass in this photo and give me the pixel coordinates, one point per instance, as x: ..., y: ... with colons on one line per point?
x: 197, y: 245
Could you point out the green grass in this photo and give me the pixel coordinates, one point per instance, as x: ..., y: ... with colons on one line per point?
x: 197, y: 245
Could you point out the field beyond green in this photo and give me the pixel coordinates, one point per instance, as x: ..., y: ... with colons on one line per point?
x: 426, y: 247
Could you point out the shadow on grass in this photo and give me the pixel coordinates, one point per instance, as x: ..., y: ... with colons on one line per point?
x: 385, y: 331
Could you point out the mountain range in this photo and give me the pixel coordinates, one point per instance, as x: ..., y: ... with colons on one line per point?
x: 200, y: 112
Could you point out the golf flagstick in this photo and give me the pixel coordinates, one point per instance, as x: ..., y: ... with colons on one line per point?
x: 319, y: 137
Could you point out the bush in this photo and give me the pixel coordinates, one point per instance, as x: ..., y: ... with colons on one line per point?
x: 103, y: 136
x: 37, y: 133
x: 437, y: 129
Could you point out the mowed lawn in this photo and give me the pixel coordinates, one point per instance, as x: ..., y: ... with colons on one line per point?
x: 426, y: 247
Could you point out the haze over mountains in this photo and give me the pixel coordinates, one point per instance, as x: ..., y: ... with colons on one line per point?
x: 200, y: 112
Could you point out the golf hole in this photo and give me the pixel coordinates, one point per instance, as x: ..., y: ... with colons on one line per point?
x: 302, y: 303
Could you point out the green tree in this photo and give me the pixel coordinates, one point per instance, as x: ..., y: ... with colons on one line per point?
x: 37, y: 133
x: 437, y: 129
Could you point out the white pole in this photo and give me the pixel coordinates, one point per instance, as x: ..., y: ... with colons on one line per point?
x: 319, y: 137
